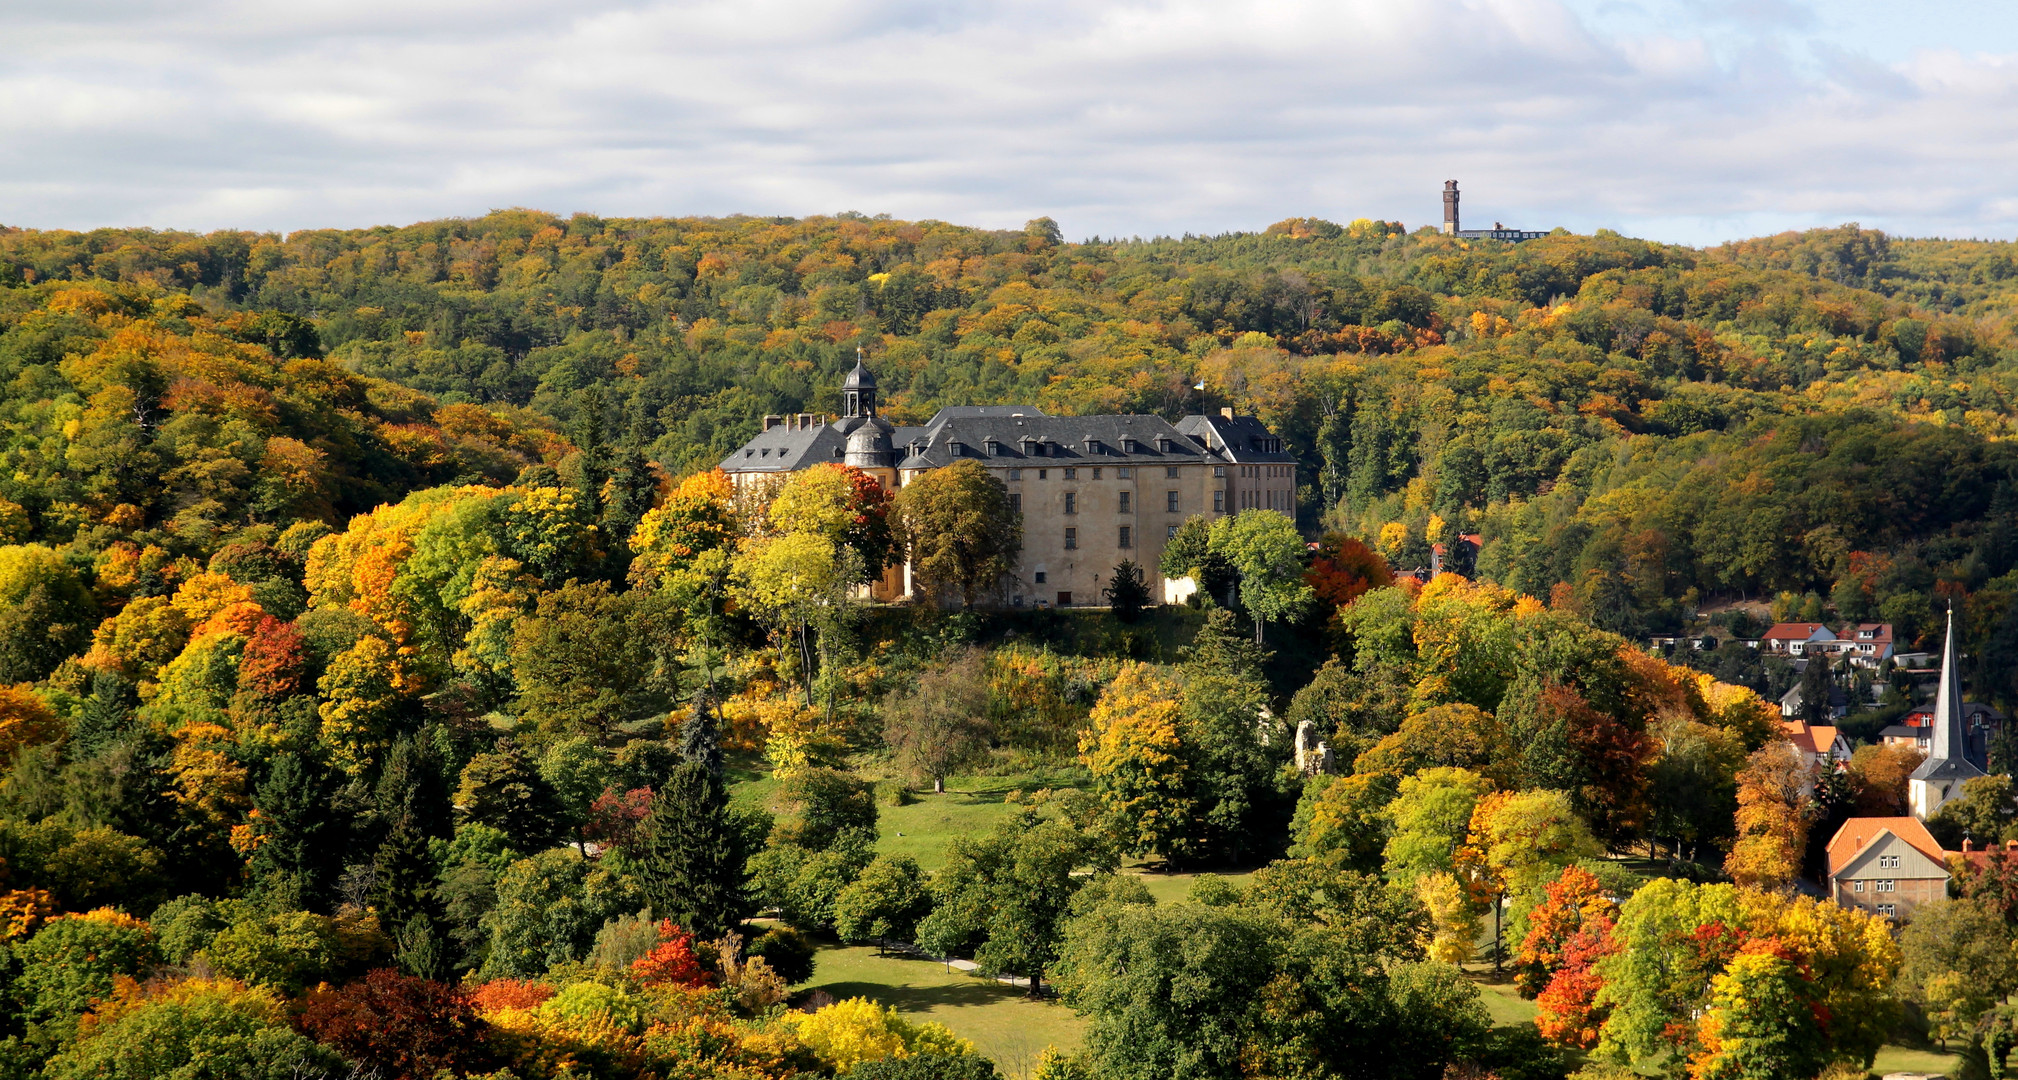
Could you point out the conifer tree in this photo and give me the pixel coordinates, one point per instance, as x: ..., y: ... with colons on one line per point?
x: 405, y: 879
x: 692, y: 862
x: 106, y: 716
x: 298, y: 853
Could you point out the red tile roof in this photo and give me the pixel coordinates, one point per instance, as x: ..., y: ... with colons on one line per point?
x: 1792, y: 631
x: 1812, y: 738
x: 1858, y: 833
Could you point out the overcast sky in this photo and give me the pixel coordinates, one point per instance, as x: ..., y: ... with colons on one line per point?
x: 1687, y: 120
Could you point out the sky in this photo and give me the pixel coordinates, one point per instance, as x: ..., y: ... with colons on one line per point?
x: 1692, y: 121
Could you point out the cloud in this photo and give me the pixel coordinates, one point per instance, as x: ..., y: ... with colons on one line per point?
x: 1692, y: 121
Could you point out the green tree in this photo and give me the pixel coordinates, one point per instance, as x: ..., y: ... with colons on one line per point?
x: 46, y: 613
x: 299, y: 852
x: 958, y: 530
x: 71, y: 962
x: 1189, y: 554
x: 1265, y: 549
x: 943, y: 724
x: 548, y: 910
x: 1760, y: 1022
x: 1429, y: 819
x: 1953, y: 944
x: 796, y: 584
x: 583, y: 661
x: 884, y: 902
x: 577, y: 771
x: 1127, y: 593
x: 693, y: 860
x: 504, y: 790
x: 1004, y: 896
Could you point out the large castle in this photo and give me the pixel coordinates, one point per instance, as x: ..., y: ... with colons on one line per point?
x: 1093, y: 490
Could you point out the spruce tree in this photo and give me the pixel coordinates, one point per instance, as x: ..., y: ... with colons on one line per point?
x: 106, y: 717
x: 405, y: 880
x: 299, y: 850
x: 700, y: 738
x: 692, y: 864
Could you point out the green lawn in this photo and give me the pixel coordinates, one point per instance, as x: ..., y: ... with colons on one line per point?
x: 1003, y: 1022
x: 1502, y: 1002
x: 1172, y: 888
x: 971, y: 806
x: 1906, y: 1059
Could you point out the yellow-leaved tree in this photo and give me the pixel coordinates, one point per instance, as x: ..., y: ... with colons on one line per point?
x: 1137, y: 760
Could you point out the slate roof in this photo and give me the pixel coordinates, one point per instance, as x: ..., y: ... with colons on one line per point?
x: 1035, y: 439
x: 1243, y: 439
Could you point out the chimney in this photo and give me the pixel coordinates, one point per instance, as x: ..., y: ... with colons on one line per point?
x: 1226, y: 411
x: 2011, y: 845
x: 1965, y: 846
x: 772, y: 420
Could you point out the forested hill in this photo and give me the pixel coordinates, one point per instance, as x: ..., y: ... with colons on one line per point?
x: 1824, y: 414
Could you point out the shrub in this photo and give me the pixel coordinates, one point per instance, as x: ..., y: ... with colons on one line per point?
x: 74, y: 961
x: 191, y: 1030
x: 788, y: 952
x: 405, y: 1028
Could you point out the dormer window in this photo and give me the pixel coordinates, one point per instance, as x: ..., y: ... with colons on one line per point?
x: 994, y: 448
x: 957, y: 448
x: 1129, y: 446
x: 1093, y: 446
x: 1164, y: 446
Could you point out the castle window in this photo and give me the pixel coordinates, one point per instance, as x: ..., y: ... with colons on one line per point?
x: 1127, y: 539
x: 1125, y: 473
x: 1170, y: 532
x: 1040, y: 577
x: 1170, y: 502
x: 1219, y: 472
x: 1071, y: 503
x: 1016, y: 474
x: 1096, y: 472
x: 1065, y: 599
x: 1219, y: 502
x: 1071, y: 539
x: 1072, y: 474
x: 1126, y: 505
x: 994, y: 448
x: 1015, y: 503
x: 1170, y: 472
x: 1044, y: 474
x: 1129, y: 446
x: 957, y: 448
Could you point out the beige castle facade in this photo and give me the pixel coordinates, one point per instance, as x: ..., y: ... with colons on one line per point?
x: 1092, y: 490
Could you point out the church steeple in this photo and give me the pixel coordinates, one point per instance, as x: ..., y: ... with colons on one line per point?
x: 1940, y: 777
x: 858, y: 391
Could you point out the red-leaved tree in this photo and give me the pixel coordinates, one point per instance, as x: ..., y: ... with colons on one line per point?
x: 672, y: 961
x: 405, y: 1028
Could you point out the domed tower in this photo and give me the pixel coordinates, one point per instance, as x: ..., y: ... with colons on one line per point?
x: 869, y: 444
x: 858, y: 392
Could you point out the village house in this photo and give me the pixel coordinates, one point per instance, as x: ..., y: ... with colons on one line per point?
x: 1092, y: 490
x: 1980, y: 724
x: 1820, y: 745
x: 1866, y: 645
x: 1886, y: 865
x: 1795, y: 638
